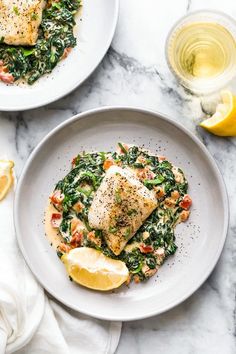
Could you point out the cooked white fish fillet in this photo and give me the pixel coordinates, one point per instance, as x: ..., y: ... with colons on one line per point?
x: 20, y: 20
x: 120, y: 206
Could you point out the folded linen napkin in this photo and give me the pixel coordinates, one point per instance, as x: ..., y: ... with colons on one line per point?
x: 29, y: 321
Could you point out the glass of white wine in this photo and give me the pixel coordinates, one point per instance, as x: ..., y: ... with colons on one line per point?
x: 201, y: 51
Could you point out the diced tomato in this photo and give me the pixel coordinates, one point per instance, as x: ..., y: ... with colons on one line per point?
x: 136, y: 279
x: 175, y: 195
x: 107, y: 164
x: 56, y: 219
x: 145, y: 173
x: 150, y: 174
x: 66, y: 52
x: 93, y: 238
x: 75, y: 225
x: 57, y: 197
x: 186, y: 202
x: 159, y: 192
x: 160, y: 255
x: 64, y: 248
x: 78, y: 207
x: 184, y: 215
x: 161, y: 158
x: 169, y: 202
x: 76, y: 239
x: 91, y: 235
x: 150, y: 272
x: 6, y: 77
x: 160, y: 252
x: 145, y: 248
x: 141, y: 173
x: 74, y: 161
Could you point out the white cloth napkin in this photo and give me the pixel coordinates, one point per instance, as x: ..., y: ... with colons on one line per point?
x: 30, y: 323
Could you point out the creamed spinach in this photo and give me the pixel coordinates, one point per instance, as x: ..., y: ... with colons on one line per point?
x: 155, y: 240
x: 55, y: 38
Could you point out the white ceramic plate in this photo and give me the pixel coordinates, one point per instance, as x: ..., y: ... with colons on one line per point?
x: 95, y: 29
x: 200, y: 240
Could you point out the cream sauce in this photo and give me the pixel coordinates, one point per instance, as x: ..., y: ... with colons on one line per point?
x: 52, y: 234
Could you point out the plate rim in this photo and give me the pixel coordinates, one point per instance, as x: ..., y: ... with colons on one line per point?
x: 74, y: 87
x: 211, y: 266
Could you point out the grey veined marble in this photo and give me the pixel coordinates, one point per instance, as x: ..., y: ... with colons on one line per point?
x: 134, y: 72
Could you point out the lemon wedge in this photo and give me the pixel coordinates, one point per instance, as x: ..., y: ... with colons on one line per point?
x: 223, y: 121
x: 6, y: 177
x: 92, y: 269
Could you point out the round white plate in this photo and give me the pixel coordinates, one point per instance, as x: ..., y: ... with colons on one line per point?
x: 200, y: 240
x: 95, y: 29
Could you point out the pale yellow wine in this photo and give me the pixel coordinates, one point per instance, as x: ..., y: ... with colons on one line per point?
x: 201, y: 51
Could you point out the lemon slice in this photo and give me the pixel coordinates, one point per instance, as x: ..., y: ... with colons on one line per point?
x: 6, y: 177
x: 92, y: 269
x: 223, y: 121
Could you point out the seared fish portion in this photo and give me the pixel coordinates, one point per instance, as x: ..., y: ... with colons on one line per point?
x: 120, y: 206
x: 20, y: 20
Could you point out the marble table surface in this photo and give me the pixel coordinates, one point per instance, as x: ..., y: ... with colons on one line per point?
x: 134, y: 72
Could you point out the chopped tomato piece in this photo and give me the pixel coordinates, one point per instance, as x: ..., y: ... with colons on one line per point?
x: 160, y: 252
x: 64, y: 248
x: 160, y: 255
x: 141, y: 173
x: 6, y: 77
x: 66, y: 52
x: 56, y: 219
x: 186, y: 202
x: 148, y: 272
x: 107, y: 164
x: 145, y: 173
x: 150, y: 174
x: 57, y: 197
x: 161, y: 158
x: 169, y: 202
x: 175, y: 195
x: 76, y: 239
x: 91, y: 235
x: 78, y: 207
x: 93, y: 238
x: 75, y: 225
x: 159, y: 192
x: 184, y: 215
x: 145, y: 248
x: 136, y: 279
x: 74, y: 161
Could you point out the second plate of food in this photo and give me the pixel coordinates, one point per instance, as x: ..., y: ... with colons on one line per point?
x: 59, y: 46
x: 132, y: 199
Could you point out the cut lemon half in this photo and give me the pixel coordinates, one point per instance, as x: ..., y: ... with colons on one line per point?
x: 223, y: 121
x: 92, y: 269
x: 6, y: 177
